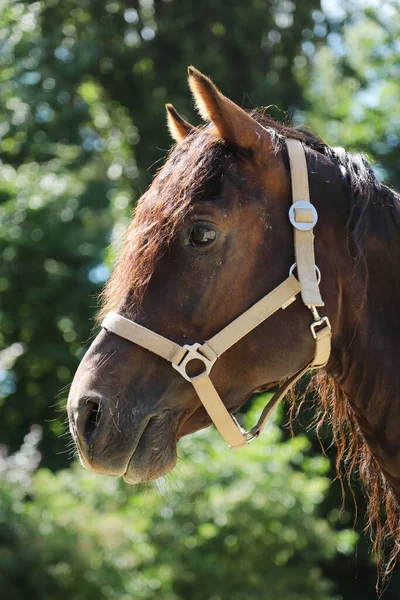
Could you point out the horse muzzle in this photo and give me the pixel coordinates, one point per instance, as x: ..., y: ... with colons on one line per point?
x: 120, y: 443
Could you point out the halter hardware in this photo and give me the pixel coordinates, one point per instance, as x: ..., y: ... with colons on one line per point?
x: 318, y: 272
x: 303, y: 216
x: 193, y: 352
x: 318, y: 322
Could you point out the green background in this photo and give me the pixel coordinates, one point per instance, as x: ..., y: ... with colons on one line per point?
x: 82, y: 131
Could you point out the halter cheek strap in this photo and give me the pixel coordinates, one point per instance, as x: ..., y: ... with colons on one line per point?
x: 303, y: 217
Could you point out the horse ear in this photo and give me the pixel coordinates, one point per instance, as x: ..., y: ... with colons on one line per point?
x: 233, y: 124
x: 178, y: 127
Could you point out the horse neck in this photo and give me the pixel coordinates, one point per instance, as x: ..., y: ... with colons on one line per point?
x: 366, y: 351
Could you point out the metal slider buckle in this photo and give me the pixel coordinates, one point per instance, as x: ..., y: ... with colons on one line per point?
x: 192, y: 353
x: 303, y: 207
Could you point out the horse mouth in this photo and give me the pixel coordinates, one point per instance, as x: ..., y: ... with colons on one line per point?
x: 155, y: 453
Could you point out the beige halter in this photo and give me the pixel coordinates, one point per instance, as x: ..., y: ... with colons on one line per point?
x: 303, y: 217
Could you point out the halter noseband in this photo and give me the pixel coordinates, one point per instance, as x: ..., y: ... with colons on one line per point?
x: 303, y: 216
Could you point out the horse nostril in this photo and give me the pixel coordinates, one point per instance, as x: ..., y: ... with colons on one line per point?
x: 93, y: 416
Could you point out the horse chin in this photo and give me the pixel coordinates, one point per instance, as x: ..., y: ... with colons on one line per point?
x: 156, y: 452
x: 154, y: 456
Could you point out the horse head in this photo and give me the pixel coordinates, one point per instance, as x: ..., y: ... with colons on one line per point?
x: 208, y: 239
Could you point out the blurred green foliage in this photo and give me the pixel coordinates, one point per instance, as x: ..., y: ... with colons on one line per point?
x: 82, y: 130
x: 76, y: 536
x: 352, y: 80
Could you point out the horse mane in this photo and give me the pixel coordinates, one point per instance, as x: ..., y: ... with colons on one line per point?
x: 195, y: 169
x: 368, y: 196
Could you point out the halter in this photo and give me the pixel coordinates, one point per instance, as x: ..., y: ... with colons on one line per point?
x: 303, y: 216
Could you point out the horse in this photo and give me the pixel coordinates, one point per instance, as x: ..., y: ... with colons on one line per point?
x: 209, y: 241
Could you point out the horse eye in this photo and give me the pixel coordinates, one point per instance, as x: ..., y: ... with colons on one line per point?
x: 202, y: 235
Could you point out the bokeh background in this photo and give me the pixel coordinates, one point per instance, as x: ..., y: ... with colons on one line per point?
x: 82, y: 131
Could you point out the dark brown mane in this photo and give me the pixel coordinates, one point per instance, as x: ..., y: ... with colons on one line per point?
x: 191, y: 168
x: 354, y: 459
x: 198, y: 164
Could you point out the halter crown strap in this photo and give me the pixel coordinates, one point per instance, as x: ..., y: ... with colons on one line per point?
x: 303, y: 217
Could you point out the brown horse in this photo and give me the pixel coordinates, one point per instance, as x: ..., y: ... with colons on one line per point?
x: 210, y: 238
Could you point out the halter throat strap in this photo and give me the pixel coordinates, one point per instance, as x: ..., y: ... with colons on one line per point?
x: 303, y: 217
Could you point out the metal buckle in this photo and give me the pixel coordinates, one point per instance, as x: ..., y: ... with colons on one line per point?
x: 318, y: 323
x: 192, y: 353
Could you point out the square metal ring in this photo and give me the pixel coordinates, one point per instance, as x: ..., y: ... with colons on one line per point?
x: 192, y: 353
